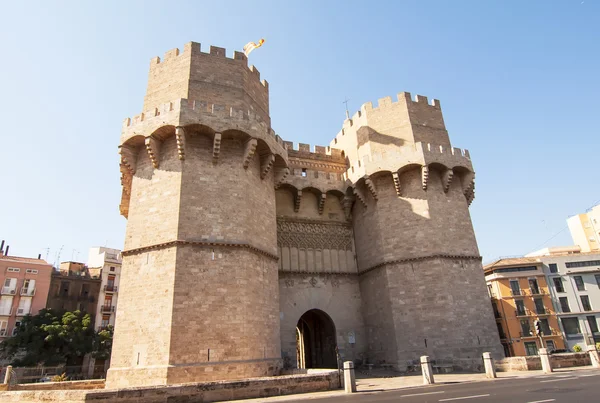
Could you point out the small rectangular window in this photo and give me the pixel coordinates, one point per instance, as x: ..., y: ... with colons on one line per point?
x: 579, y: 283
x: 539, y: 306
x: 31, y: 271
x: 520, y: 307
x: 303, y: 174
x: 558, y: 284
x: 525, y: 328
x: 550, y: 345
x: 585, y: 302
x: 515, y: 289
x: 571, y: 326
x: 13, y: 269
x: 112, y: 268
x: 593, y: 324
x: 553, y: 268
x: 598, y: 280
x: 564, y: 304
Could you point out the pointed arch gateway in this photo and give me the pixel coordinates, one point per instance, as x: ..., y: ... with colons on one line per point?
x: 316, y: 341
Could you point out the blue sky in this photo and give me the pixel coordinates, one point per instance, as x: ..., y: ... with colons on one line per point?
x: 518, y: 83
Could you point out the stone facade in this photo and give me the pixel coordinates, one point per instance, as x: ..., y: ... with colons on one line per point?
x: 250, y: 255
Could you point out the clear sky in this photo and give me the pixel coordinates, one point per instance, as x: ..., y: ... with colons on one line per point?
x: 518, y: 83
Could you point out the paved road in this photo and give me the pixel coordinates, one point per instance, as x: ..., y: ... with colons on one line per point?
x: 574, y: 387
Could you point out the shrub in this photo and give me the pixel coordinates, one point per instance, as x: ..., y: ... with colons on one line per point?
x: 59, y: 378
x: 577, y: 348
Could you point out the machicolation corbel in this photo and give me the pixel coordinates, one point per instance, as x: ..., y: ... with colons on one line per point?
x: 424, y: 176
x: 216, y: 147
x: 129, y: 158
x: 447, y: 179
x: 266, y: 165
x: 297, y: 201
x: 153, y: 148
x: 359, y: 195
x: 280, y: 175
x: 396, y: 178
x: 180, y: 139
x: 249, y: 152
x: 322, y: 203
x: 371, y: 186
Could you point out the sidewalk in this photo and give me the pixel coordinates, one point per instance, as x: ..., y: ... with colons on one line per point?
x: 379, y: 381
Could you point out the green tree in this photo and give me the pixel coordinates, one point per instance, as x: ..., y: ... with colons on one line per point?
x: 103, y: 344
x: 50, y: 339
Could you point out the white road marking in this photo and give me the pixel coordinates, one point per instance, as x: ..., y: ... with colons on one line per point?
x: 584, y: 376
x: 461, y: 398
x: 421, y: 394
x: 543, y: 401
x: 561, y: 379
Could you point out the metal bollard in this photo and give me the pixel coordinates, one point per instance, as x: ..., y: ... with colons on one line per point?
x: 488, y: 363
x: 427, y: 370
x: 594, y: 357
x: 349, y: 378
x: 8, y: 375
x: 545, y: 359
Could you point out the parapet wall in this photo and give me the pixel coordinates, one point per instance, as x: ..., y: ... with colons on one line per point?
x: 317, y: 153
x: 212, y: 76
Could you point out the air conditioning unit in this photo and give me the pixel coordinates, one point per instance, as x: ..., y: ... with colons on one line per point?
x: 20, y: 311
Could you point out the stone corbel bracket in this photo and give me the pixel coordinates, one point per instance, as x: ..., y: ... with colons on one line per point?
x: 180, y: 139
x: 216, y: 147
x: 447, y: 179
x: 249, y: 152
x: 322, y: 203
x: 266, y: 165
x: 359, y: 195
x: 280, y: 175
x: 424, y: 176
x: 153, y: 148
x: 128, y: 158
x: 396, y: 178
x: 371, y: 186
x: 297, y: 201
x: 347, y: 204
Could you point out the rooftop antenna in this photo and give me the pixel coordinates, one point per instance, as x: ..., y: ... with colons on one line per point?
x: 47, y: 253
x: 57, y: 259
x: 346, y: 102
x: 74, y: 255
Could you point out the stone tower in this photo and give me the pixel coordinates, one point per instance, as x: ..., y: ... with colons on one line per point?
x: 199, y: 295
x: 418, y: 264
x: 244, y: 255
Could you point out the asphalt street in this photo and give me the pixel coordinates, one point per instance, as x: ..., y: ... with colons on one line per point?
x: 575, y: 387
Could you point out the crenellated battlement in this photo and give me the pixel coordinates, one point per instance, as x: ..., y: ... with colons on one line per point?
x: 184, y: 111
x: 306, y: 149
x: 194, y: 48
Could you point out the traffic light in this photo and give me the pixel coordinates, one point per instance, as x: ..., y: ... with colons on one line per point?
x: 538, y: 327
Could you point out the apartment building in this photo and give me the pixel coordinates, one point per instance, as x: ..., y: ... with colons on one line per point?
x: 74, y: 287
x: 25, y: 284
x: 107, y: 263
x: 585, y: 230
x: 520, y: 297
x: 574, y: 279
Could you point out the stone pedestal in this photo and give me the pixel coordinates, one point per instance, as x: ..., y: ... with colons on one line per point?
x: 594, y: 357
x: 545, y: 359
x: 488, y: 362
x: 349, y: 378
x: 427, y: 370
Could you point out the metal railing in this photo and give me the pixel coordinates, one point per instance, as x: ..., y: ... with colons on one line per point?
x: 8, y: 291
x: 107, y: 308
x: 27, y: 292
x: 110, y: 288
x: 516, y: 293
x: 522, y: 313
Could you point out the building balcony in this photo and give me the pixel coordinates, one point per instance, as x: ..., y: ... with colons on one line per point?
x: 8, y: 291
x: 530, y: 334
x: 516, y: 293
x: 23, y: 311
x: 6, y: 312
x: 537, y: 291
x: 107, y: 308
x: 522, y: 313
x: 110, y: 288
x: 27, y: 292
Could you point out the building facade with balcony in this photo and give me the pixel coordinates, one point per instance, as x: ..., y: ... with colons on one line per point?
x: 25, y: 284
x: 107, y: 263
x: 585, y: 230
x: 520, y: 297
x: 574, y: 279
x: 74, y: 287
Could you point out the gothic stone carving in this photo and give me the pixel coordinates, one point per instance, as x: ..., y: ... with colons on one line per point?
x: 313, y: 235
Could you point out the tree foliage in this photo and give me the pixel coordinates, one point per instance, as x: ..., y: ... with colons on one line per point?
x: 50, y: 338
